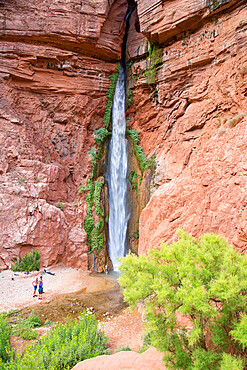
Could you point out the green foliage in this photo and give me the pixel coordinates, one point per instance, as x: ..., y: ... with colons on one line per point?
x: 94, y: 231
x: 123, y: 348
x: 62, y: 347
x: 93, y: 189
x: 22, y: 331
x: 231, y: 362
x: 135, y: 235
x: 129, y: 98
x: 9, y: 313
x: 155, y: 54
x: 204, y: 280
x: 33, y: 321
x: 97, y: 197
x: 61, y: 205
x: 30, y: 262
x: 5, y: 331
x: 147, y: 341
x: 92, y: 152
x: 110, y: 95
x: 140, y: 155
x: 49, y: 323
x: 101, y: 135
x: 135, y: 179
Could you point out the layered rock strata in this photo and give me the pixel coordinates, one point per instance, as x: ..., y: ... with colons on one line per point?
x: 55, y: 62
x: 192, y: 115
x: 189, y: 102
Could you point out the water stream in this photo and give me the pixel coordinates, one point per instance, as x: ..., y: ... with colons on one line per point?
x: 117, y: 175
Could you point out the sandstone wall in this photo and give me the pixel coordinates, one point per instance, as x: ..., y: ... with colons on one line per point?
x: 192, y: 116
x: 55, y: 60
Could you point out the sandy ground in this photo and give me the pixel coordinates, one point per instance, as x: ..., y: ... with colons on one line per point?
x: 124, y: 329
x: 18, y: 293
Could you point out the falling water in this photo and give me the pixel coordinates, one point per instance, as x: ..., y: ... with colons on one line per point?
x: 117, y: 181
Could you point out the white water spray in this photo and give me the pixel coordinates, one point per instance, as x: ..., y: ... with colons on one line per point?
x: 117, y: 180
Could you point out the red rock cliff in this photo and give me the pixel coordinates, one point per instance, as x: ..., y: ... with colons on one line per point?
x: 190, y: 106
x: 55, y: 60
x: 192, y: 115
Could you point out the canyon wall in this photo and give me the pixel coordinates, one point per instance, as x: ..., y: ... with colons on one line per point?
x: 189, y: 102
x: 55, y: 62
x: 187, y: 70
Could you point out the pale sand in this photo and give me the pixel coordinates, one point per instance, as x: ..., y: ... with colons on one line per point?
x: 18, y: 293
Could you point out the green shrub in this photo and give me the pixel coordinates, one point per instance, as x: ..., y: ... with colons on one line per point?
x: 5, y: 348
x: 204, y: 280
x: 33, y: 321
x: 23, y: 331
x: 30, y: 262
x: 49, y: 323
x: 101, y: 135
x: 62, y: 347
x: 123, y: 348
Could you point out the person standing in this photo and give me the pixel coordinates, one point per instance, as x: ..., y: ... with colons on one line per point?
x: 35, y: 285
x: 40, y: 290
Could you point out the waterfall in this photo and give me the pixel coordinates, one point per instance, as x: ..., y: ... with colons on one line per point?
x: 117, y: 175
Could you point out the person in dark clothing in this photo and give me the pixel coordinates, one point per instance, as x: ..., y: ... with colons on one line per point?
x: 40, y: 290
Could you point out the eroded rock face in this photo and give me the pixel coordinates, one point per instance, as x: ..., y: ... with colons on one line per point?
x: 150, y: 359
x: 192, y: 116
x: 160, y: 21
x: 55, y: 62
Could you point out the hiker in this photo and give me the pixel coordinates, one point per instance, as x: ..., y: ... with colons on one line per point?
x: 47, y: 271
x: 40, y: 287
x: 35, y: 285
x: 106, y: 269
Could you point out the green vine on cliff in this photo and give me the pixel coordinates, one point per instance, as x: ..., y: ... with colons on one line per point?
x: 139, y: 153
x: 155, y: 54
x: 110, y: 95
x: 135, y: 180
x: 93, y: 188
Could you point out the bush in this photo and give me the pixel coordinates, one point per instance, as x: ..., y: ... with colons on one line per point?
x: 33, y: 321
x: 22, y: 331
x: 5, y: 331
x: 123, y: 348
x: 205, y: 282
x: 29, y: 263
x: 62, y: 347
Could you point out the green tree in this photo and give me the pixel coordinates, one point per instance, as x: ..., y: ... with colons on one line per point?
x: 204, y: 282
